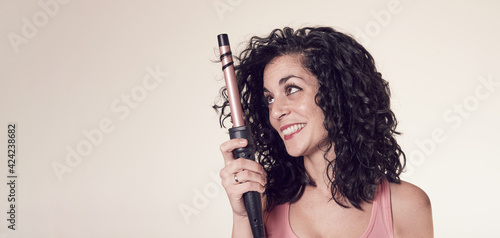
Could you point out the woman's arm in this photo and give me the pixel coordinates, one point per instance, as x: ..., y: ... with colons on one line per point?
x: 411, y: 211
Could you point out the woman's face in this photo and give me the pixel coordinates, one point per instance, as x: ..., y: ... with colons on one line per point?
x: 290, y: 90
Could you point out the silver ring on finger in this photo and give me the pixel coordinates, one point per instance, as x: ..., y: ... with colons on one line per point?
x: 236, y: 178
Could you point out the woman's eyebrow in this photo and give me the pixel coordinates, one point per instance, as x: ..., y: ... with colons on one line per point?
x: 283, y: 81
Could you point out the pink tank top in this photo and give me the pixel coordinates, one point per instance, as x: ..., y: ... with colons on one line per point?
x: 380, y: 225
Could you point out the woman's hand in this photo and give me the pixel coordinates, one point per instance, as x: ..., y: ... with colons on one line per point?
x: 240, y: 176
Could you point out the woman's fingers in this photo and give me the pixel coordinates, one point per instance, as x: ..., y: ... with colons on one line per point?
x: 243, y: 175
x: 239, y: 177
x: 245, y: 170
x: 244, y: 164
x: 227, y: 149
x: 242, y: 188
x: 249, y: 176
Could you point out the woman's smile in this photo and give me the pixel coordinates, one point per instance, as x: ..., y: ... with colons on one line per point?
x: 291, y: 129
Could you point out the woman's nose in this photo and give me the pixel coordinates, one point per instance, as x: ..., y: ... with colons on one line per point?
x: 279, y: 109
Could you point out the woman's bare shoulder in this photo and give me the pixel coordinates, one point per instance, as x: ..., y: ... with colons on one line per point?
x: 411, y: 211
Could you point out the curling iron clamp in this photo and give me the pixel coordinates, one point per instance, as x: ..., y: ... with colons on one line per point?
x: 253, y: 203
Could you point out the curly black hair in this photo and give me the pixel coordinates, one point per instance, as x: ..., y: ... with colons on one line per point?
x: 355, y: 100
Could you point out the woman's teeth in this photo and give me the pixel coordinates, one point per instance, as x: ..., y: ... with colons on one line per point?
x: 293, y: 129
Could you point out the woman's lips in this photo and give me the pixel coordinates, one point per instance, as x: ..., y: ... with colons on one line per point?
x: 291, y: 129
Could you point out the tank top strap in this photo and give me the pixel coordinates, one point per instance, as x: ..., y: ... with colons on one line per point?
x: 277, y: 222
x: 381, y: 219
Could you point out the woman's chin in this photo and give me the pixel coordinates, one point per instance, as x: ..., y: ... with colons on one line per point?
x: 294, y: 152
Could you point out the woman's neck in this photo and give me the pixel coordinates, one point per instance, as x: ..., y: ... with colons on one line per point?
x: 316, y: 167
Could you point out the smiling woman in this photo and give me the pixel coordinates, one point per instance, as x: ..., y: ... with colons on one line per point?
x: 335, y: 170
x: 290, y: 90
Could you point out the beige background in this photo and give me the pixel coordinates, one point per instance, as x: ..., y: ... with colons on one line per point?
x: 138, y: 156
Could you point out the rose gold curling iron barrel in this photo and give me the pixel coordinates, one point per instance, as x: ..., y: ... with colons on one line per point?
x: 253, y: 203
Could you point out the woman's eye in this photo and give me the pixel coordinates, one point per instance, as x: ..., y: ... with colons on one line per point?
x: 292, y: 90
x: 269, y: 99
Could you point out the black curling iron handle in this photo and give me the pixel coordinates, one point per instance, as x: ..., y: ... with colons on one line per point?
x: 252, y: 200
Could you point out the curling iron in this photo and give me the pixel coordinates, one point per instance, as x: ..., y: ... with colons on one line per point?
x: 253, y: 203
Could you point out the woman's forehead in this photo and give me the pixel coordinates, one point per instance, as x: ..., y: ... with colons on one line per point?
x: 282, y: 68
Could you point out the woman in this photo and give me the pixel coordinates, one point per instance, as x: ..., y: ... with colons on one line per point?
x: 328, y: 163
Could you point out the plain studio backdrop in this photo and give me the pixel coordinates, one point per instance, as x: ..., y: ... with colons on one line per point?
x: 115, y: 135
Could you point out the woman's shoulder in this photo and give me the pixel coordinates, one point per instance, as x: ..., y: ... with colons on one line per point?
x: 405, y: 192
x: 411, y: 210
